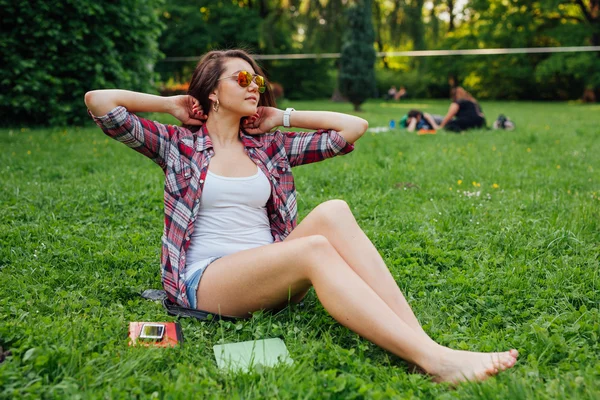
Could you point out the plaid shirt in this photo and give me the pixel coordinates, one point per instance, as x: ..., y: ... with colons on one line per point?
x: 184, y: 157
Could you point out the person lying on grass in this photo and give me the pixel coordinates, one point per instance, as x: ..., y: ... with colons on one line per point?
x: 231, y: 244
x: 417, y: 120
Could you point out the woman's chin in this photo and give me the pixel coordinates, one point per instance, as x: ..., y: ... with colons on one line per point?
x: 248, y: 111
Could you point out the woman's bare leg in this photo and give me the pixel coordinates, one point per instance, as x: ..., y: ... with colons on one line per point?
x: 334, y: 220
x: 264, y: 277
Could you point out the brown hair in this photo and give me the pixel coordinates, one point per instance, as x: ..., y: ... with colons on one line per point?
x: 208, y: 71
x: 414, y: 113
x: 459, y: 93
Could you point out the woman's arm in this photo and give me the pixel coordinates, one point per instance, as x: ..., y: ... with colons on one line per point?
x: 113, y: 111
x: 351, y: 128
x: 100, y: 102
x: 332, y: 133
x: 454, y: 107
x: 431, y: 121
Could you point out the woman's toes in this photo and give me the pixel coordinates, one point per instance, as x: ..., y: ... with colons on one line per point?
x: 496, y: 360
x: 488, y: 372
x: 511, y: 361
x: 506, y: 361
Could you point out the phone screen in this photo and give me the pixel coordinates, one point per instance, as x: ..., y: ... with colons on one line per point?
x: 152, y: 331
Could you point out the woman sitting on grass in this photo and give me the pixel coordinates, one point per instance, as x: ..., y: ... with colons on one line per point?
x: 231, y: 244
x: 464, y: 112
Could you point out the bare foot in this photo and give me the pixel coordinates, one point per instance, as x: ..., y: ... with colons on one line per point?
x: 415, y: 369
x: 456, y: 366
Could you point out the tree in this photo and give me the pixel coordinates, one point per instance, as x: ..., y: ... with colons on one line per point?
x: 263, y: 26
x: 451, y: 15
x: 194, y: 28
x: 52, y: 52
x: 357, y: 74
x: 524, y: 23
x: 591, y: 12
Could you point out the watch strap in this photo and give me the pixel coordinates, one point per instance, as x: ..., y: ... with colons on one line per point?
x: 286, y: 117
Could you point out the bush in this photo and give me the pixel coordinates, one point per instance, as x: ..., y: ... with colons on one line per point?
x: 54, y: 51
x: 171, y: 88
x: 418, y: 84
x: 302, y: 79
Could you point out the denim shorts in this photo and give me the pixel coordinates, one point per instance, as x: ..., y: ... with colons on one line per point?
x: 192, y: 276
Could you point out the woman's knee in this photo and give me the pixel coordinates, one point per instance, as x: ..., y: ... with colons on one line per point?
x: 333, y: 210
x: 316, y: 249
x: 316, y: 243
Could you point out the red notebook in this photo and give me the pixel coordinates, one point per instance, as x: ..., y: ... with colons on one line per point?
x: 172, y: 335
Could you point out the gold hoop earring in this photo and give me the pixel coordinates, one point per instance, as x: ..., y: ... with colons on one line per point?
x: 215, y: 106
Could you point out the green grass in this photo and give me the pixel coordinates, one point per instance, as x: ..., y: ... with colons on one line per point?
x: 512, y: 266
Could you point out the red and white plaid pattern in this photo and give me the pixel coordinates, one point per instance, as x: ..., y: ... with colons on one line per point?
x: 184, y: 157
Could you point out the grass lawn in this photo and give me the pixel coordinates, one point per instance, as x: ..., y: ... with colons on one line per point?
x: 494, y: 237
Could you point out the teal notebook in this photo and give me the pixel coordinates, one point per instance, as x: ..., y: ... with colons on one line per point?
x: 244, y: 355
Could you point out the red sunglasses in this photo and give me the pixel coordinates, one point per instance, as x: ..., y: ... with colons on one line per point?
x: 244, y: 78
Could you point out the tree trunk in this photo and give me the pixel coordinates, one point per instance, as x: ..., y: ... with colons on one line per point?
x: 378, y: 40
x: 451, y: 12
x: 263, y: 8
x: 592, y: 15
x: 338, y: 97
x: 588, y: 96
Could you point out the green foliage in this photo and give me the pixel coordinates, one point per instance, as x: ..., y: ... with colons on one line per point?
x: 81, y: 219
x: 300, y: 79
x: 55, y: 51
x: 324, y: 23
x: 570, y: 72
x: 192, y: 29
x: 357, y: 76
x: 416, y: 28
x: 523, y: 23
x: 303, y: 79
x: 419, y: 85
x: 268, y: 28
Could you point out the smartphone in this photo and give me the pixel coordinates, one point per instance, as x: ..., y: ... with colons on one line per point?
x: 152, y: 332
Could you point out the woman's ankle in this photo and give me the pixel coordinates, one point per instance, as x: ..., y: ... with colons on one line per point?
x: 433, y: 357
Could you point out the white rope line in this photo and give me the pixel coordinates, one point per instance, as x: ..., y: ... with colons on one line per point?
x: 416, y: 53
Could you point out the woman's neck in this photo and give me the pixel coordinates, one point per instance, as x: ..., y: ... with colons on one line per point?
x: 224, y: 130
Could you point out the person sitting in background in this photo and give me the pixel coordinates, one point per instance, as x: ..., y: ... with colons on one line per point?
x: 418, y: 120
x: 391, y: 93
x: 400, y: 93
x: 464, y: 112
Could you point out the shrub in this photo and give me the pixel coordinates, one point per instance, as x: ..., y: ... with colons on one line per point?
x: 171, y: 88
x: 357, y: 76
x: 54, y: 51
x: 302, y: 79
x: 419, y: 84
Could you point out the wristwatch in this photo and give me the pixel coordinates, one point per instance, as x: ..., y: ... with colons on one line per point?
x: 286, y: 117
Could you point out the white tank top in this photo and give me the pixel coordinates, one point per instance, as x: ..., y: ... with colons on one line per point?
x: 232, y: 216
